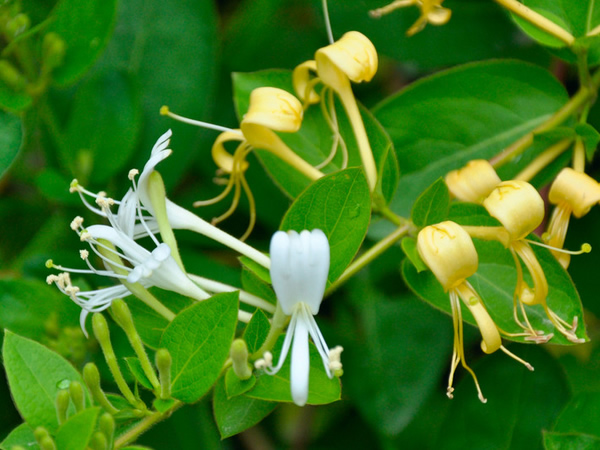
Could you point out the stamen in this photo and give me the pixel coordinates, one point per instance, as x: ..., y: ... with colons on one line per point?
x: 265, y: 362
x: 84, y: 254
x: 132, y: 174
x: 516, y: 358
x: 76, y: 223
x: 164, y: 111
x: 377, y: 13
x: 585, y: 248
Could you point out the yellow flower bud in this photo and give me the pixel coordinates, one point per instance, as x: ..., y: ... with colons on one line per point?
x: 449, y: 252
x: 353, y: 55
x: 302, y: 82
x: 577, y: 189
x: 517, y: 206
x: 473, y: 182
x: 274, y: 109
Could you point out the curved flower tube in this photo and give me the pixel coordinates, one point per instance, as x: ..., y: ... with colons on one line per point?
x: 449, y: 253
x: 300, y: 265
x: 520, y: 209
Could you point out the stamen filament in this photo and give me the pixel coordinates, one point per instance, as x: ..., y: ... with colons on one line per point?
x: 164, y: 111
x: 585, y: 248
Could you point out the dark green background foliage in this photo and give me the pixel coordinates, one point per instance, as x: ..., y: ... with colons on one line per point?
x: 445, y: 96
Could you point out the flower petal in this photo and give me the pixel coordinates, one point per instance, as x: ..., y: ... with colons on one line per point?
x: 300, y: 365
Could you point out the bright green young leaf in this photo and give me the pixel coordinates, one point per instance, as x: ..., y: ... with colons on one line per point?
x: 255, y: 285
x: 234, y: 415
x: 85, y: 30
x: 199, y: 339
x: 340, y: 205
x: 234, y: 386
x: 256, y: 331
x: 135, y: 366
x: 495, y: 282
x: 439, y: 123
x: 590, y: 137
x: 520, y: 403
x: 409, y: 247
x: 580, y: 415
x: 10, y: 140
x: 34, y: 374
x: 23, y: 436
x: 76, y: 432
x: 313, y: 142
x: 259, y: 271
x: 163, y: 405
x: 173, y: 63
x: 432, y: 206
x: 104, y: 126
x: 276, y: 388
x: 570, y: 441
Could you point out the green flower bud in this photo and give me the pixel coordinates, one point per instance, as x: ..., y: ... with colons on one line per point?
x: 17, y: 25
x: 11, y: 76
x: 77, y: 395
x: 164, y: 362
x: 53, y: 50
x: 62, y: 405
x: 239, y: 357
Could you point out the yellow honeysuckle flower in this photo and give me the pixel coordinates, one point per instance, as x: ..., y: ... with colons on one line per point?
x: 473, y: 182
x: 352, y: 58
x: 520, y: 209
x: 432, y: 12
x: 573, y: 193
x: 447, y: 249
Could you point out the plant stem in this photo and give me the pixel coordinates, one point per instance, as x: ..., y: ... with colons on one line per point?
x: 545, y: 158
x: 143, y: 425
x: 538, y: 20
x: 279, y: 322
x: 368, y: 256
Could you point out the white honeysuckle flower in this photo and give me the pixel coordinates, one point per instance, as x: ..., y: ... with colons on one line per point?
x: 299, y: 269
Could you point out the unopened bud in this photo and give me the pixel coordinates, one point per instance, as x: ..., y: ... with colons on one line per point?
x: 517, y: 206
x: 576, y: 189
x: 53, y: 50
x: 62, y: 405
x: 106, y: 424
x: 239, y: 358
x: 17, y: 25
x: 449, y: 252
x: 77, y: 395
x: 11, y: 76
x: 98, y: 441
x: 163, y: 363
x: 474, y: 182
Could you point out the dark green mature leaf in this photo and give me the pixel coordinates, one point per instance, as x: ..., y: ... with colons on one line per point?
x: 252, y: 283
x: 432, y: 206
x: 136, y: 369
x: 257, y: 330
x: 105, y: 124
x: 495, y: 282
x: 23, y: 436
x: 234, y: 386
x: 321, y: 389
x: 13, y: 100
x: 314, y: 139
x: 11, y: 134
x: 580, y: 415
x: 474, y: 111
x: 570, y: 441
x: 409, y: 247
x: 86, y: 29
x: 590, y: 137
x: 340, y: 205
x: 34, y: 374
x: 520, y: 403
x: 199, y: 339
x: 169, y: 49
x: 234, y: 415
x: 76, y: 432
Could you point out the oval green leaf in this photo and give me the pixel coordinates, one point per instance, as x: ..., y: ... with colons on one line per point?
x: 432, y: 206
x: 199, y: 339
x: 11, y: 135
x: 76, y: 432
x: 339, y: 205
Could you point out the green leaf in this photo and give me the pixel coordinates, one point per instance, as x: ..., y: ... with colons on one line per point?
x: 276, y: 388
x: 515, y: 412
x: 432, y: 206
x: 339, y: 205
x: 590, y: 137
x: 199, y: 339
x: 570, y: 441
x: 162, y: 405
x: 541, y: 36
x: 313, y: 142
x: 135, y: 366
x: 23, y: 436
x: 234, y: 386
x: 495, y: 282
x: 174, y: 61
x: 409, y: 247
x: 252, y: 283
x: 11, y: 135
x: 234, y: 415
x: 14, y: 100
x: 259, y: 271
x: 34, y: 374
x: 104, y: 126
x: 85, y: 29
x: 257, y: 330
x: 468, y: 112
x: 76, y: 432
x: 580, y: 415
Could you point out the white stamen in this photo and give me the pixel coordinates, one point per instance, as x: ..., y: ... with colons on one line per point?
x: 132, y: 174
x: 76, y: 223
x: 84, y: 254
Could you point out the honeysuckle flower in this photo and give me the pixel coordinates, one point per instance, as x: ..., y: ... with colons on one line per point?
x: 573, y: 193
x: 520, y: 209
x: 352, y: 58
x: 299, y: 269
x: 449, y: 253
x: 270, y: 110
x: 432, y: 12
x: 473, y: 182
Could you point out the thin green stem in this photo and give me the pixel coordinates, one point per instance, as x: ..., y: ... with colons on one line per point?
x: 144, y: 425
x: 368, y: 256
x: 278, y: 324
x: 390, y: 215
